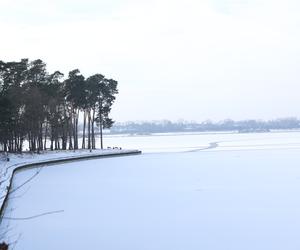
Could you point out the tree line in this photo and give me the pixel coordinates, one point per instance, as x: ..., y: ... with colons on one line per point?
x: 43, y: 109
x: 243, y: 126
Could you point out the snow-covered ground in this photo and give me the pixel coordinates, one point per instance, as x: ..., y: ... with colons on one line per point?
x: 217, y: 191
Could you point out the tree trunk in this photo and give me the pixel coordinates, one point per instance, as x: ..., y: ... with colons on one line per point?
x: 45, y: 139
x: 21, y: 145
x: 76, y: 128
x: 101, y: 124
x: 70, y: 134
x: 83, y: 131
x: 75, y: 137
x: 93, y: 130
x: 101, y: 133
x: 89, y: 129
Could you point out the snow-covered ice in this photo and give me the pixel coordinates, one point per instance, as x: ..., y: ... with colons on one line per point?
x: 241, y: 194
x: 178, y: 142
x: 18, y: 160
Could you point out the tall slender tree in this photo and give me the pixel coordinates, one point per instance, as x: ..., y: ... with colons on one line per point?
x: 101, y: 96
x: 75, y: 96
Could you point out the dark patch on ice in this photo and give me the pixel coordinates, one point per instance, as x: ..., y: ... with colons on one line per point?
x: 211, y: 146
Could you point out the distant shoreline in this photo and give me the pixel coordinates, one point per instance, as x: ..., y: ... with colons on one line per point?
x: 228, y: 125
x: 172, y: 133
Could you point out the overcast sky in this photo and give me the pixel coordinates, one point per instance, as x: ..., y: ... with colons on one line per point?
x: 190, y: 59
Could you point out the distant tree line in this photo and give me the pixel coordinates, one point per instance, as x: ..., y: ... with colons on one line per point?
x: 245, y: 126
x: 43, y: 109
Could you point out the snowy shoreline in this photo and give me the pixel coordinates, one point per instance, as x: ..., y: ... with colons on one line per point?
x: 18, y: 162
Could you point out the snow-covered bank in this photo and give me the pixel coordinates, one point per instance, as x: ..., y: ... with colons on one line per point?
x: 26, y: 160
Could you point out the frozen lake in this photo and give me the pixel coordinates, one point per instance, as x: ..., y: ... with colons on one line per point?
x: 240, y: 193
x: 176, y: 142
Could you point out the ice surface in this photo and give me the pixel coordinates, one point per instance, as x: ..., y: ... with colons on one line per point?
x: 178, y: 142
x: 17, y: 160
x: 243, y: 194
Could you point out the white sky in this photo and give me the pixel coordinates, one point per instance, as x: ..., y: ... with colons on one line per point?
x: 191, y: 59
